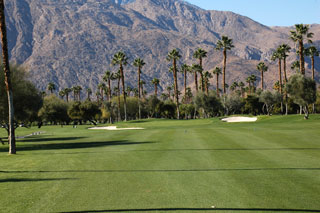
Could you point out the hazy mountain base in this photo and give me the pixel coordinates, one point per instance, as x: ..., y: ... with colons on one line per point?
x: 72, y: 42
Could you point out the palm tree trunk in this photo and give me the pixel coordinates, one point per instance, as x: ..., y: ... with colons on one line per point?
x: 224, y: 70
x: 7, y: 79
x: 196, y: 80
x: 185, y: 85
x: 176, y: 86
x: 207, y: 89
x: 124, y: 93
x: 139, y: 91
x: 280, y: 77
x: 302, y: 68
x: 119, y: 113
x: 262, y: 80
x: 217, y: 85
x: 109, y: 85
x: 201, y: 74
x: 155, y: 90
x: 285, y: 70
x: 67, y: 97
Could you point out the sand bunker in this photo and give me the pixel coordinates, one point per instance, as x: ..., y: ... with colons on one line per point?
x: 240, y: 119
x: 114, y: 128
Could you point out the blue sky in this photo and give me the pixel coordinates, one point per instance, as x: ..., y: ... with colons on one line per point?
x: 268, y: 12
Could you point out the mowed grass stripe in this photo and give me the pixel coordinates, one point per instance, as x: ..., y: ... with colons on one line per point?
x: 171, y: 164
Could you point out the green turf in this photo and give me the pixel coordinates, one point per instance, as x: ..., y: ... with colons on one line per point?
x: 273, y: 164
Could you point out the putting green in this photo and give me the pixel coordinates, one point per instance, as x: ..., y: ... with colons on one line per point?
x: 270, y: 165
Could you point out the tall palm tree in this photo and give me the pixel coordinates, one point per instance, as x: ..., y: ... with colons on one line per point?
x: 66, y: 92
x: 101, y: 87
x: 174, y: 56
x: 200, y: 54
x: 217, y: 72
x: 206, y: 76
x: 107, y: 78
x: 185, y: 69
x: 277, y: 55
x: 117, y: 76
x: 7, y: 78
x: 51, y: 87
x: 284, y: 49
x: 241, y: 85
x: 121, y: 59
x: 89, y: 93
x: 262, y: 68
x: 312, y: 52
x: 79, y: 88
x: 142, y: 83
x: 298, y: 36
x: 139, y: 63
x: 225, y: 44
x: 155, y: 82
x: 196, y: 68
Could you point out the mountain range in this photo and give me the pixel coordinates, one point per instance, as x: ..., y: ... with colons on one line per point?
x: 71, y: 42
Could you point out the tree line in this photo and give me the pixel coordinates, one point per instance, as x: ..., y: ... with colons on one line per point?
x: 113, y: 101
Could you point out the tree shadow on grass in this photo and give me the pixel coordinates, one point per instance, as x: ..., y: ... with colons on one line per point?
x: 199, y: 209
x: 16, y: 180
x: 75, y: 145
x: 47, y: 139
x: 163, y: 170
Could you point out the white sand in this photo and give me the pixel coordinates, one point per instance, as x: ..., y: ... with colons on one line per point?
x: 240, y: 119
x: 114, y: 128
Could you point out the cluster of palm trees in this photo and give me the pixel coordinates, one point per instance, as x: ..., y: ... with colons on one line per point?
x: 225, y: 44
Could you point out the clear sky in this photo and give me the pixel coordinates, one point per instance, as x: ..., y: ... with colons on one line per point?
x: 268, y: 12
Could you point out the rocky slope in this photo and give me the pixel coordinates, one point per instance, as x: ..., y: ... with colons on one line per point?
x: 71, y: 42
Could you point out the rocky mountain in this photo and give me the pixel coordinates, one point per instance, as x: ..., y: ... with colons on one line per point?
x: 71, y: 42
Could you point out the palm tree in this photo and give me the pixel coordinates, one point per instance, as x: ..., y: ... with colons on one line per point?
x: 7, y: 78
x: 62, y: 94
x: 79, y: 88
x: 142, y: 83
x: 107, y: 78
x: 169, y: 89
x: 296, y: 66
x: 139, y: 63
x: 117, y: 76
x: 312, y: 52
x: 284, y: 49
x: 277, y: 55
x: 225, y: 44
x: 196, y: 68
x: 298, y: 36
x: 89, y: 93
x: 241, y: 85
x: 173, y: 56
x: 101, y: 87
x: 155, y: 82
x: 234, y: 86
x: 217, y: 72
x: 200, y: 54
x: 262, y: 68
x: 207, y: 75
x: 185, y: 69
x: 66, y: 92
x: 121, y: 59
x: 98, y: 96
x: 51, y: 87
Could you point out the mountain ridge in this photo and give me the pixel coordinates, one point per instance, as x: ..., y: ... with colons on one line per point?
x: 72, y: 42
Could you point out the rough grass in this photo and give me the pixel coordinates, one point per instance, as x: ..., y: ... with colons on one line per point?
x: 270, y: 165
